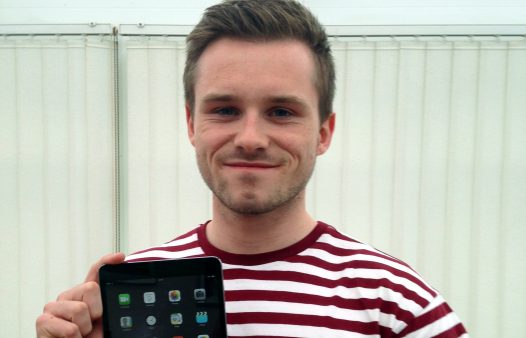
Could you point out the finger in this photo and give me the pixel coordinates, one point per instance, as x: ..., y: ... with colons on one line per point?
x: 113, y: 258
x: 49, y: 326
x: 88, y: 293
x: 70, y: 311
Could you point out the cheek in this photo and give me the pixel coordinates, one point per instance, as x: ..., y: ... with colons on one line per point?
x: 208, y: 144
x: 302, y: 150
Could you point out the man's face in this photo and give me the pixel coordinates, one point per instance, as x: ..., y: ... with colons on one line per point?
x: 256, y: 127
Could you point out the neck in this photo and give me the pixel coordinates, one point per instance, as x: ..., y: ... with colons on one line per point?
x: 252, y: 234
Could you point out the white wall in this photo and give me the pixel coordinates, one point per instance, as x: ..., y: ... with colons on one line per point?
x: 330, y: 12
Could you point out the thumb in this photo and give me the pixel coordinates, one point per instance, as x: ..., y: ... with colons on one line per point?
x: 113, y: 258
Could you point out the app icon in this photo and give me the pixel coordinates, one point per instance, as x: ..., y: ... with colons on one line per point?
x: 126, y: 322
x: 174, y: 296
x: 199, y: 294
x: 176, y: 318
x: 151, y: 320
x: 201, y: 317
x: 149, y: 297
x: 124, y: 299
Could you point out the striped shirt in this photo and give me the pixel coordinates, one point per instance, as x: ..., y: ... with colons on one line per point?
x: 326, y: 285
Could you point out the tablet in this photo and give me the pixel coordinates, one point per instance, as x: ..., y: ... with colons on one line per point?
x: 164, y: 299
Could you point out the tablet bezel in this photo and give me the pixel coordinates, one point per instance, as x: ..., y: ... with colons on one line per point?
x: 169, y: 268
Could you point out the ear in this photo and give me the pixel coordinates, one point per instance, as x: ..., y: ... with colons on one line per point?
x: 190, y: 124
x: 325, y: 136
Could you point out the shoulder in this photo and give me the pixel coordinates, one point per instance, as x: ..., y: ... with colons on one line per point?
x: 335, y: 247
x: 368, y: 273
x: 185, y: 245
x: 396, y: 288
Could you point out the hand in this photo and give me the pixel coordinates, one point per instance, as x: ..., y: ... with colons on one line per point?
x: 77, y: 312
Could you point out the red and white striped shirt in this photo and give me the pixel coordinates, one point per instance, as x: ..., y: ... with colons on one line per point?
x: 326, y: 285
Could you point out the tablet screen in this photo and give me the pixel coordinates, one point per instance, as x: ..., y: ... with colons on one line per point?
x: 160, y: 299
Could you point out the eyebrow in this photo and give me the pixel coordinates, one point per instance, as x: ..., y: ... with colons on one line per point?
x: 291, y: 99
x: 288, y: 99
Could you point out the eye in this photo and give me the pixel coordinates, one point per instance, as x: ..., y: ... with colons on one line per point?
x: 280, y: 113
x: 226, y: 111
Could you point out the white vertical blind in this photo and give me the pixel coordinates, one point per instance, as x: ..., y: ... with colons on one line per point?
x: 56, y: 168
x: 428, y: 161
x: 432, y: 149
x: 165, y: 194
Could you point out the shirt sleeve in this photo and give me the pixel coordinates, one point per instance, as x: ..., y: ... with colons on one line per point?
x: 436, y: 320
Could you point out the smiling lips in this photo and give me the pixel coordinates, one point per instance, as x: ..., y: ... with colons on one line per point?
x: 250, y: 165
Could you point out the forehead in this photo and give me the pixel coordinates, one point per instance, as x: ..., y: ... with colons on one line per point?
x: 282, y: 67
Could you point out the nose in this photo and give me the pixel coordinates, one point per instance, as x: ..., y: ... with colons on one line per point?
x: 251, y: 135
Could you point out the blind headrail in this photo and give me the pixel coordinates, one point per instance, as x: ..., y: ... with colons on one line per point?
x: 339, y: 30
x: 59, y: 29
x: 355, y: 30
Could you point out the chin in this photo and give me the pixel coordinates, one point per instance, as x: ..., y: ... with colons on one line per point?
x: 250, y: 210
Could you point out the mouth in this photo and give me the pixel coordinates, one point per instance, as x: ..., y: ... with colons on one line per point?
x: 250, y: 165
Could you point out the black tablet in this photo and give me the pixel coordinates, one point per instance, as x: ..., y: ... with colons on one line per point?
x: 164, y: 299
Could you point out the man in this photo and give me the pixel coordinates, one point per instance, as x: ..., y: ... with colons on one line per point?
x: 259, y: 85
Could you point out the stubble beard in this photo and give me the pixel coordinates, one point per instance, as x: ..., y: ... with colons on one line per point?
x: 281, y: 195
